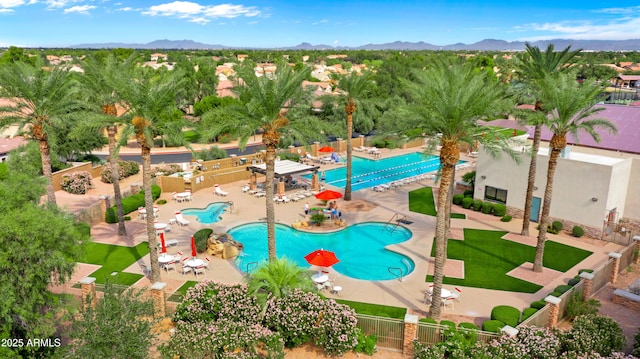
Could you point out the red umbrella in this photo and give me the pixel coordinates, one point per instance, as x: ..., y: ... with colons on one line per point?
x: 164, y: 247
x: 193, y: 247
x: 326, y: 149
x: 321, y: 258
x: 328, y: 195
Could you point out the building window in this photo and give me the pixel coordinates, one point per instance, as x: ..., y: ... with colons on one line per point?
x: 495, y: 194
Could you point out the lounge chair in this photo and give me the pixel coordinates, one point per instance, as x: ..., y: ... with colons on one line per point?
x: 180, y: 219
x: 219, y: 191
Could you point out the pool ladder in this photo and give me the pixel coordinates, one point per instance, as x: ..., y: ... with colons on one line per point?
x: 230, y: 203
x: 253, y: 266
x: 398, y: 218
x: 396, y: 271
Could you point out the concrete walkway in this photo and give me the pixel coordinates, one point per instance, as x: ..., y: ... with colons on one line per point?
x: 475, y: 305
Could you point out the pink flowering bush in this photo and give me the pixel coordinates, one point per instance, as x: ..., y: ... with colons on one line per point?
x: 77, y: 182
x: 302, y: 316
x: 125, y: 169
x: 217, y: 320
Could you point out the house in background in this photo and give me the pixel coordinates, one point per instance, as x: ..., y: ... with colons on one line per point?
x: 595, y: 184
x: 8, y: 144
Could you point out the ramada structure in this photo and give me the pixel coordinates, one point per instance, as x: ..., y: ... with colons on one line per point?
x: 596, y: 185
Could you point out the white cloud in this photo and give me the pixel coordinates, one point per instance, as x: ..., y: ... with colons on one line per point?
x: 6, y: 11
x: 625, y: 26
x: 200, y: 14
x: 323, y: 21
x: 11, y: 3
x: 60, y: 3
x: 84, y: 9
x: 126, y: 8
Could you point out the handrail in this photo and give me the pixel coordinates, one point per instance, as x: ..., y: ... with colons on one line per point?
x: 247, y: 270
x: 230, y: 203
x: 392, y: 269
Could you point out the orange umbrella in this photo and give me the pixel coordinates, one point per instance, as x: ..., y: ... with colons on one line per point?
x: 193, y: 247
x: 326, y: 149
x: 328, y: 195
x: 164, y: 247
x: 321, y: 258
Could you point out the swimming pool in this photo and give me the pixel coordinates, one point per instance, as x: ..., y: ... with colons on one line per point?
x: 367, y: 173
x: 208, y: 215
x: 359, y: 247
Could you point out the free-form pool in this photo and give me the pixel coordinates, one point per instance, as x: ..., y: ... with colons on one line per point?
x: 208, y: 215
x: 367, y: 173
x: 359, y: 247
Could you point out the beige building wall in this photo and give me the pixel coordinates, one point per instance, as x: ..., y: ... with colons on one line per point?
x: 632, y: 206
x: 578, y: 180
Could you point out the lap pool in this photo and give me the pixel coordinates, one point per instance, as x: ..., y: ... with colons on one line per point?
x: 367, y: 173
x: 359, y: 247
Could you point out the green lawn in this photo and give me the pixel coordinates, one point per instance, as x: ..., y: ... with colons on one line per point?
x: 421, y: 201
x: 487, y: 258
x: 114, y: 258
x: 375, y: 309
x: 182, y: 291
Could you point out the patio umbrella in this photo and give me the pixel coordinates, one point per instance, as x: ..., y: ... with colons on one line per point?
x: 193, y: 247
x: 326, y: 149
x: 321, y: 258
x: 164, y: 247
x: 328, y: 195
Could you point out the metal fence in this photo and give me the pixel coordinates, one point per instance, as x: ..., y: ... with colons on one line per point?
x: 390, y: 331
x: 430, y: 334
x: 601, y: 277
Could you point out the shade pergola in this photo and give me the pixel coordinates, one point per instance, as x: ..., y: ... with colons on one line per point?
x: 284, y: 168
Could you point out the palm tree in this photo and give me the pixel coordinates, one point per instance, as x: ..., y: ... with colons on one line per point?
x: 449, y: 99
x: 98, y: 80
x: 573, y: 111
x: 535, y: 66
x: 279, y: 278
x: 147, y: 96
x: 355, y: 89
x: 42, y: 98
x: 268, y: 104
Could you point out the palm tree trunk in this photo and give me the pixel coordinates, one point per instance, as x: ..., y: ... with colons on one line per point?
x: 115, y: 179
x: 270, y: 159
x: 557, y: 144
x: 449, y: 156
x: 350, y: 108
x: 45, y: 155
x: 531, y: 180
x: 148, y: 205
x: 448, y: 211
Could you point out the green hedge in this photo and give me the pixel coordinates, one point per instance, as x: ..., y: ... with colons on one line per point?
x: 457, y: 199
x: 468, y: 193
x: 538, y: 304
x: 506, y: 218
x: 577, y: 231
x: 428, y: 320
x: 562, y: 288
x: 499, y: 210
x: 493, y: 326
x: 477, y: 204
x: 526, y: 313
x: 557, y: 225
x: 467, y: 202
x: 448, y: 323
x: 487, y: 207
x: 201, y: 237
x: 506, y: 314
x: 573, y: 281
x: 131, y: 203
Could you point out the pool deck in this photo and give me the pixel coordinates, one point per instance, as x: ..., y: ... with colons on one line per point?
x: 475, y: 304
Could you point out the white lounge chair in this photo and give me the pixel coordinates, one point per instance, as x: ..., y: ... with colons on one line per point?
x: 219, y: 191
x: 180, y: 219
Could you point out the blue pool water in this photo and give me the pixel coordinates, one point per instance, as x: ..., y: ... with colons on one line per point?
x: 367, y: 173
x: 360, y: 248
x: 208, y: 215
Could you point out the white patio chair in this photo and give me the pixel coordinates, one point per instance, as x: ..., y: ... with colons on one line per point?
x: 180, y: 219
x: 198, y: 270
x: 185, y: 269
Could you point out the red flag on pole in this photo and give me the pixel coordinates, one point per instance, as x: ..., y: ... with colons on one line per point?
x: 193, y: 247
x: 164, y: 247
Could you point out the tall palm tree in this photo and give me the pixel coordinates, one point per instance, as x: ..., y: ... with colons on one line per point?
x: 449, y: 99
x: 535, y: 65
x: 98, y: 80
x: 573, y: 111
x: 147, y: 96
x: 268, y: 104
x: 42, y: 98
x: 355, y: 89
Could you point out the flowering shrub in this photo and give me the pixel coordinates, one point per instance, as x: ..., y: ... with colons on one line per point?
x: 165, y: 170
x: 219, y: 320
x: 301, y: 316
x: 594, y: 334
x: 125, y: 169
x: 76, y: 182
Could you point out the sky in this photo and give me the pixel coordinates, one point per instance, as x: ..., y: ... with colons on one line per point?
x: 279, y: 23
